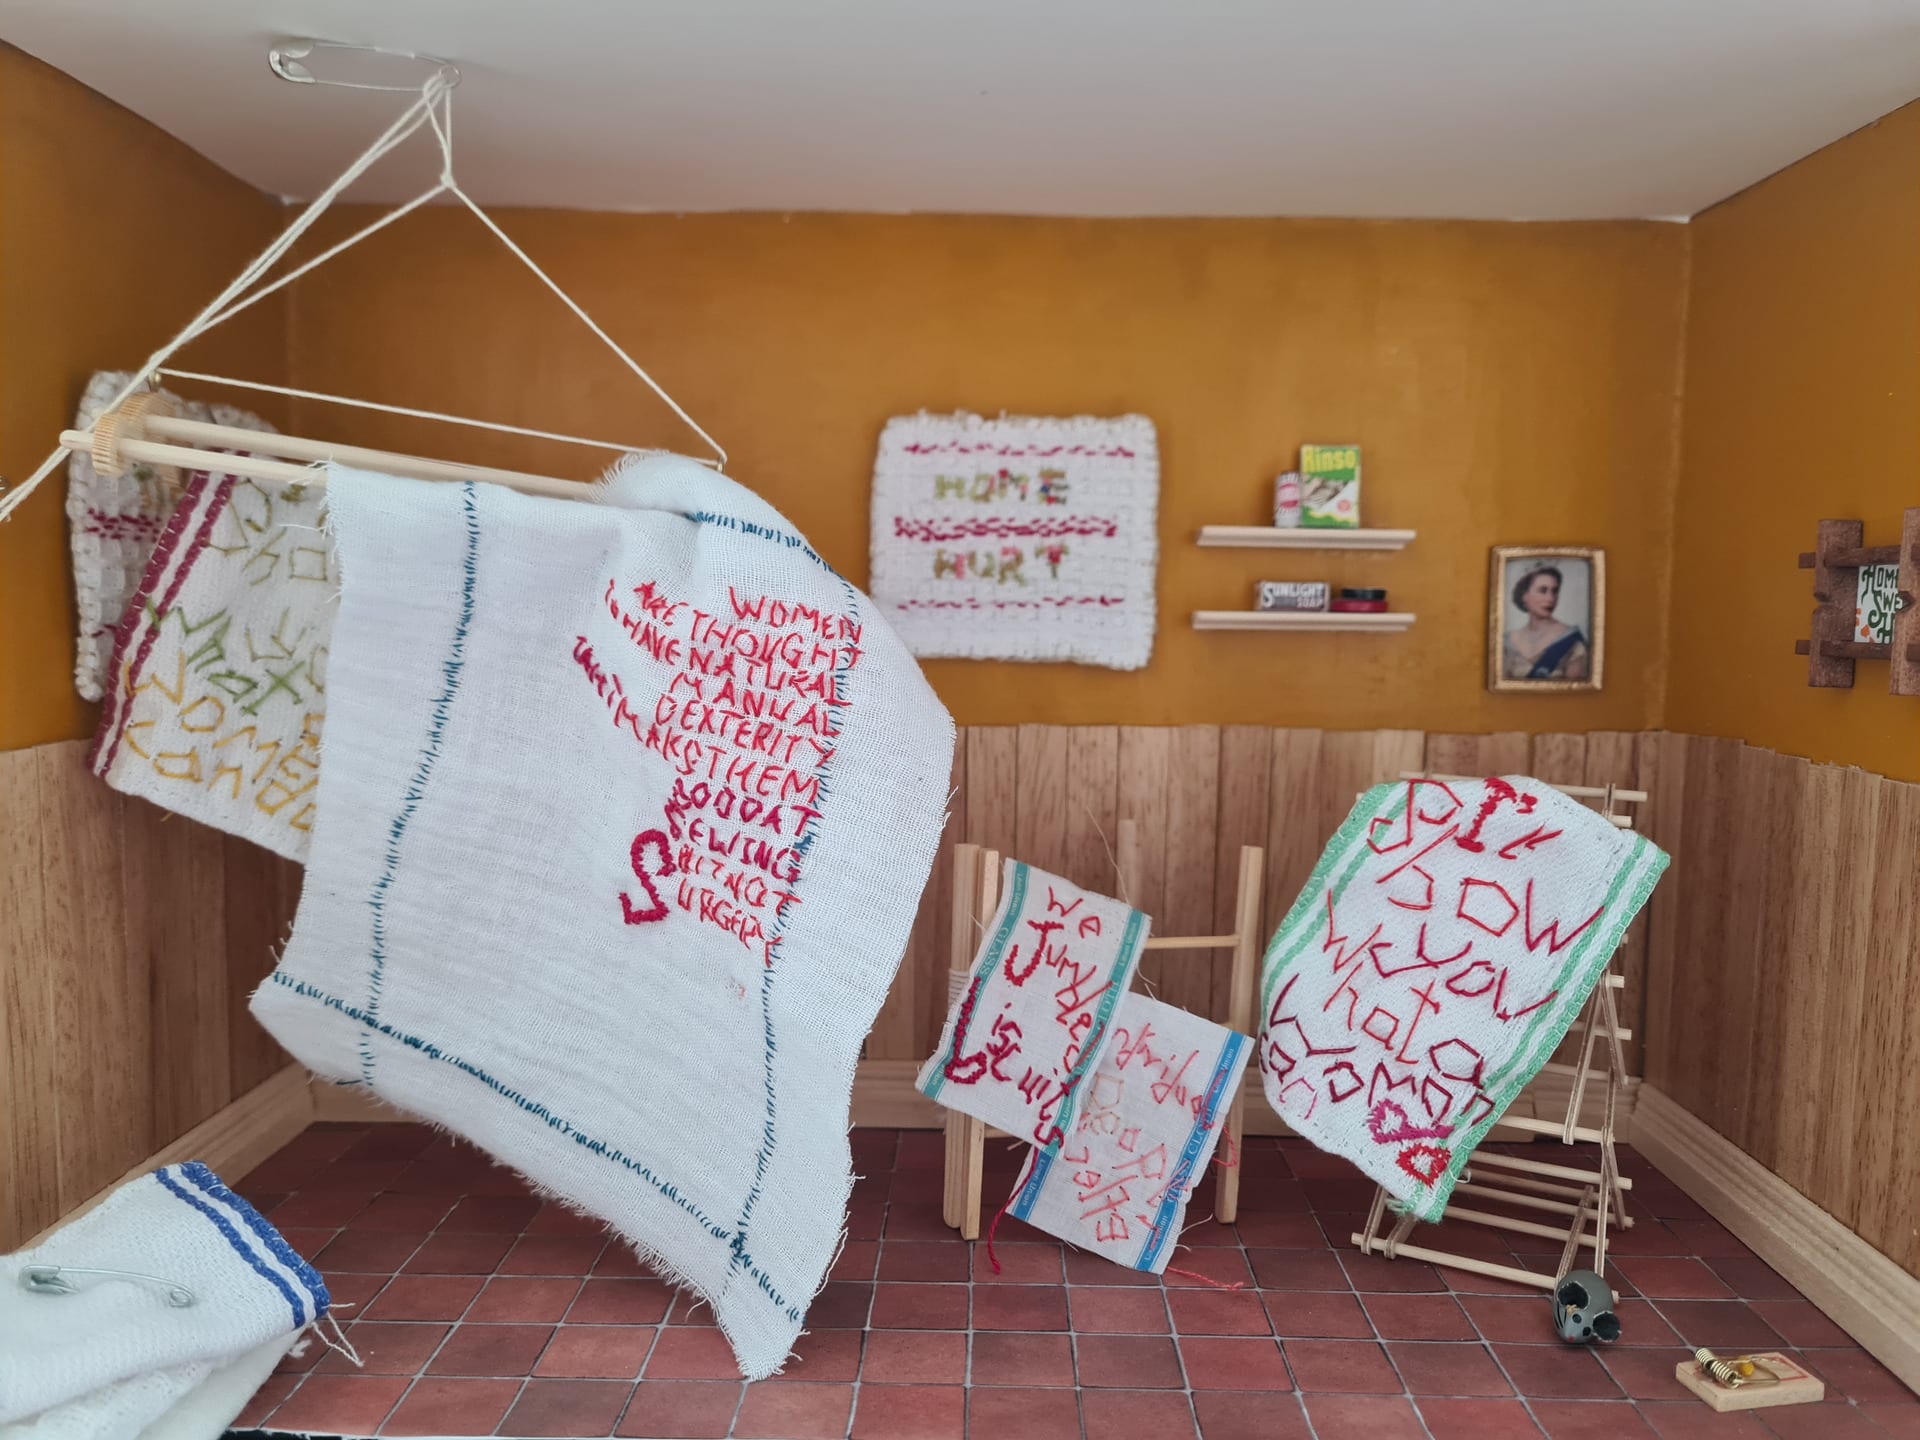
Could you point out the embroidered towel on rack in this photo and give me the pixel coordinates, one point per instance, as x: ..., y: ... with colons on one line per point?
x: 1445, y: 941
x: 1038, y: 1007
x: 217, y: 692
x: 1018, y: 538
x: 115, y: 522
x: 626, y: 812
x: 92, y: 1356
x: 1148, y: 1121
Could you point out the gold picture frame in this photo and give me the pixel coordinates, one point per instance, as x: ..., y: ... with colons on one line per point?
x: 1571, y: 657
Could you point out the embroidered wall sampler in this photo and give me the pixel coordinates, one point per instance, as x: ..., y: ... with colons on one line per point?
x: 1447, y: 938
x: 1018, y: 539
x: 626, y: 812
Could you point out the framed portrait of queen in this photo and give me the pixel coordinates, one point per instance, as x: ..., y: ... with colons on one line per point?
x: 1546, y: 617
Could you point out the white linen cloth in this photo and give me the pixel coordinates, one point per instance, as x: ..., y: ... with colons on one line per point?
x: 1147, y: 1126
x: 1445, y: 941
x: 1037, y: 1010
x: 625, y: 814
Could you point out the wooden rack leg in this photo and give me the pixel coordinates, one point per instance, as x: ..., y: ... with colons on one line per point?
x: 1246, y: 959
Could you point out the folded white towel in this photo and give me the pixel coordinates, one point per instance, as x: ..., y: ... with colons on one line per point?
x: 115, y: 1354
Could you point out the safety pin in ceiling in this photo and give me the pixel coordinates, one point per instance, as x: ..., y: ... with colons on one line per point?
x: 286, y: 58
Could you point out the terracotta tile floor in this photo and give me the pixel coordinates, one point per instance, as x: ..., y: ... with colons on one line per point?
x: 481, y: 1311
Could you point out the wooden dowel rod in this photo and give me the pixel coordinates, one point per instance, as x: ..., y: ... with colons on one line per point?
x: 1552, y: 1127
x: 1459, y: 1262
x: 201, y: 433
x: 1853, y: 650
x: 1519, y: 1227
x: 1514, y: 1197
x: 1851, y: 557
x: 1192, y: 942
x: 279, y: 472
x: 1540, y: 1167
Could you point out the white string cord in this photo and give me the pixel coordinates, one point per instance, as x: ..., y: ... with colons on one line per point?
x: 408, y: 122
x: 434, y: 108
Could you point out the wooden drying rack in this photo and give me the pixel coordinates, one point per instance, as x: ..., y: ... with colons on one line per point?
x: 1567, y: 1199
x: 1836, y: 563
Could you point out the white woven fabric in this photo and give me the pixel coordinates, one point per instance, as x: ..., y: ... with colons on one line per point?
x: 113, y: 1357
x: 1018, y: 539
x: 1446, y: 940
x: 218, y: 683
x: 1148, y: 1123
x: 625, y: 815
x: 1037, y: 1011
x: 115, y: 523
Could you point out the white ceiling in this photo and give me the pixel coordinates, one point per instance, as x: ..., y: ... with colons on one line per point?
x: 1510, y: 109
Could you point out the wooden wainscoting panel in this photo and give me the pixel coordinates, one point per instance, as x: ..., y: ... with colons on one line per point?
x: 1726, y: 1080
x: 174, y: 874
x: 993, y: 788
x: 1296, y: 798
x: 1093, y: 801
x: 1803, y: 1110
x: 1886, y: 1199
x: 257, y: 912
x: 1193, y: 826
x: 101, y: 1062
x: 1842, y: 973
x: 1699, y: 875
x: 1559, y: 759
x: 1041, y: 799
x: 1775, y: 966
x: 1246, y: 761
x: 29, y: 1104
x: 1663, y: 775
x: 1146, y: 760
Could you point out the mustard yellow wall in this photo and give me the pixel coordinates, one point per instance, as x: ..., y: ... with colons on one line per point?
x: 1509, y: 383
x: 112, y: 235
x: 1802, y: 404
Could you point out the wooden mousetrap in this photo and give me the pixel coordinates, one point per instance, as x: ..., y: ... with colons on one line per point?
x: 1790, y: 1385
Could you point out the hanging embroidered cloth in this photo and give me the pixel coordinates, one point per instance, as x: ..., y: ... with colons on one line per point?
x: 625, y: 815
x: 1038, y: 1006
x: 1148, y: 1121
x: 217, y: 691
x: 115, y: 522
x: 1018, y: 538
x: 1446, y: 940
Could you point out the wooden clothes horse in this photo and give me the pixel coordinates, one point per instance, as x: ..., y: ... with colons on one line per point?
x: 976, y: 895
x: 1579, y: 1196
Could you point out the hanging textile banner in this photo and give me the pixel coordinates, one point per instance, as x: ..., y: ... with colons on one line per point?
x: 1148, y: 1122
x: 115, y: 522
x: 627, y: 807
x: 1018, y: 539
x: 1037, y: 1010
x: 216, y: 695
x: 1446, y: 940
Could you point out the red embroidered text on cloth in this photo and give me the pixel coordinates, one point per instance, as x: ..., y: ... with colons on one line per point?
x: 1148, y: 1121
x: 1038, y: 1006
x: 1446, y: 940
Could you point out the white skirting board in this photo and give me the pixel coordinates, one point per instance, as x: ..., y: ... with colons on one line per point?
x: 1861, y: 1291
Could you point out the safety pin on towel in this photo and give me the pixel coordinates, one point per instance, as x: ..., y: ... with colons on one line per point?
x: 52, y: 1280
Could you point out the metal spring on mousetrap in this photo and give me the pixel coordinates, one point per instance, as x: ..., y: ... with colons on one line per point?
x: 1735, y: 1373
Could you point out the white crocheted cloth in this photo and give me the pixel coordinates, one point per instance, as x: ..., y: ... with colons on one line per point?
x: 1037, y: 1009
x: 1148, y: 1122
x: 625, y: 816
x: 219, y: 677
x: 1446, y: 940
x: 1018, y: 539
x: 109, y: 1359
x: 115, y: 523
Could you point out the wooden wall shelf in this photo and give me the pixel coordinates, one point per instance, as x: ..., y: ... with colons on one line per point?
x: 1836, y: 561
x: 1377, y: 620
x: 1270, y: 537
